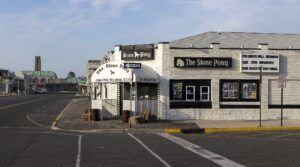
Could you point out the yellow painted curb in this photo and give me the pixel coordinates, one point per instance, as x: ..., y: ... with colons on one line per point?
x: 53, y: 126
x: 249, y: 129
x: 173, y: 130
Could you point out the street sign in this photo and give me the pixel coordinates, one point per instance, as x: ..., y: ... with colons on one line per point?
x: 133, y: 65
x: 282, y: 81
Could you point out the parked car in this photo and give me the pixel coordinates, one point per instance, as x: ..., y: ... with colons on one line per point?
x: 40, y: 91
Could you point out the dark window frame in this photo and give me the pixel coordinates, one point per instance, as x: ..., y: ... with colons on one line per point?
x: 240, y: 98
x: 183, y: 103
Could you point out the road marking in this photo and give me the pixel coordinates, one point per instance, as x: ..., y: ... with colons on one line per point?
x: 28, y: 117
x: 20, y: 127
x: 52, y: 133
x: 148, y: 149
x: 217, y: 159
x: 13, y: 105
x: 79, y: 151
x: 53, y: 126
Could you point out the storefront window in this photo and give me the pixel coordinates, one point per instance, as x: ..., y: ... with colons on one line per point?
x: 249, y: 90
x: 204, y: 93
x: 239, y: 90
x: 230, y: 90
x: 177, y: 90
x: 190, y: 93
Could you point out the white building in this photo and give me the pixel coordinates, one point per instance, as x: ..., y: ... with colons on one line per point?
x: 207, y: 76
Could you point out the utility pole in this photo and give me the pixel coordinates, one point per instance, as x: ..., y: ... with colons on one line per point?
x: 260, y: 83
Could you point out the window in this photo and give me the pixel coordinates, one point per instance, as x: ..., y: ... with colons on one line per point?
x: 204, y: 93
x: 177, y: 90
x: 249, y: 90
x: 239, y: 90
x: 190, y: 93
x: 147, y: 91
x: 230, y: 90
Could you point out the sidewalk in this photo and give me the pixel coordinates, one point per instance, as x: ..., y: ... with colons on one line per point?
x: 71, y: 119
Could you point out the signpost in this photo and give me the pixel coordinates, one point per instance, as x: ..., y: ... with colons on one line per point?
x: 281, y: 85
x: 132, y: 66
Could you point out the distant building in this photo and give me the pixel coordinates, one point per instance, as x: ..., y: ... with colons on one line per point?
x: 91, y: 67
x: 4, y: 82
x: 71, y: 83
x: 38, y: 63
x: 40, y: 79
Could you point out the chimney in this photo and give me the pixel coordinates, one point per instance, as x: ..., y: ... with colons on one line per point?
x: 215, y: 45
x: 263, y: 46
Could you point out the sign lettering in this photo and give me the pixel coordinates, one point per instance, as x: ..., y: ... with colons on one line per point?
x: 202, y: 62
x: 137, y: 54
x: 251, y: 63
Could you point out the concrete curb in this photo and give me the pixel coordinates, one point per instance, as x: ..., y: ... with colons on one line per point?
x: 249, y: 129
x: 53, y: 126
x: 177, y: 130
x: 224, y: 130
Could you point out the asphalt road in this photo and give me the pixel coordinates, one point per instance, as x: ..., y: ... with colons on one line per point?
x: 26, y: 140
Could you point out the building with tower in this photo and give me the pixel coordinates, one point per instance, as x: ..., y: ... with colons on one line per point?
x: 38, y: 63
x: 38, y: 78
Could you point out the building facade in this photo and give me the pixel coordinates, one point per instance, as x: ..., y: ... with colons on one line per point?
x: 6, y: 81
x: 216, y: 76
x: 91, y: 67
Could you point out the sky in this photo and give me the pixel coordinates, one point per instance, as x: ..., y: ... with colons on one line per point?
x: 67, y: 33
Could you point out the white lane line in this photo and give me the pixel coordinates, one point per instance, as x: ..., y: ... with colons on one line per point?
x: 217, y: 159
x: 13, y: 105
x: 8, y: 127
x: 148, y: 149
x: 79, y: 151
x: 52, y: 133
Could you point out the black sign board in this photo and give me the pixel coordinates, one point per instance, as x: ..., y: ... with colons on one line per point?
x: 202, y: 62
x: 133, y: 65
x: 145, y: 54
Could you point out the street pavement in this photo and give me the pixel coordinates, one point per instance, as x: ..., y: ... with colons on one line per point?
x: 26, y: 140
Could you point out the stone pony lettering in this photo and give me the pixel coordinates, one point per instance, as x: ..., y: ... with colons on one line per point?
x: 137, y: 54
x: 206, y: 62
x: 220, y: 63
x: 141, y: 79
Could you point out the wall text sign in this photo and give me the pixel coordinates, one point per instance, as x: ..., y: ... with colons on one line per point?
x: 137, y: 55
x: 251, y: 63
x: 202, y: 62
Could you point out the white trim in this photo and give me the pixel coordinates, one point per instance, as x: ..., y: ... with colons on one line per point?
x: 194, y: 89
x: 208, y: 91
